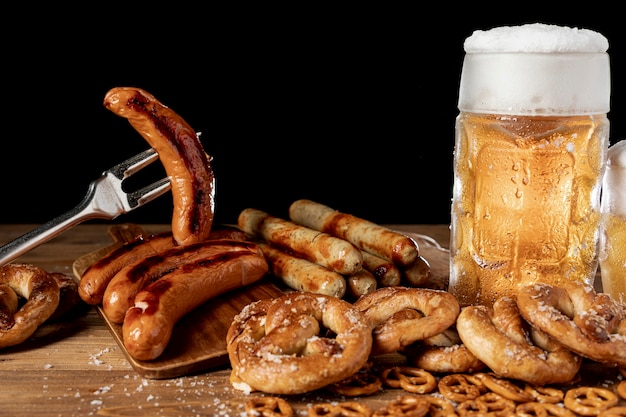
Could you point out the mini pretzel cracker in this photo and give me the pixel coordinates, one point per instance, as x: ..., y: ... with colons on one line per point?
x: 461, y: 387
x: 434, y: 311
x: 405, y: 405
x: 297, y: 342
x: 361, y: 383
x: 343, y: 409
x: 489, y: 404
x: 440, y: 407
x: 268, y: 407
x: 542, y: 409
x: 589, y: 401
x: 415, y: 380
x: 621, y: 389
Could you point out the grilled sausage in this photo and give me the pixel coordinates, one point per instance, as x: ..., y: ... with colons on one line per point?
x: 323, y: 249
x: 182, y: 156
x: 149, y: 323
x: 368, y: 236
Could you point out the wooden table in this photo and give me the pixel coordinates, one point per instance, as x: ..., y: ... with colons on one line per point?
x: 75, y: 368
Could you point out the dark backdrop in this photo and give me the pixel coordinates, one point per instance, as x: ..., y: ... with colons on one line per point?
x: 351, y: 108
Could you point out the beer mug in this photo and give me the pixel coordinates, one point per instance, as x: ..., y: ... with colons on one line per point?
x: 613, y: 237
x: 531, y: 144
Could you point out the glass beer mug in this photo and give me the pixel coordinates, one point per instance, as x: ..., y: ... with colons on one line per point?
x: 530, y: 150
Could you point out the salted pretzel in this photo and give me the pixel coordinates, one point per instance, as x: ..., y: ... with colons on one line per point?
x: 297, y: 342
x: 399, y: 316
x: 41, y: 292
x: 591, y: 324
x: 443, y: 353
x: 503, y: 340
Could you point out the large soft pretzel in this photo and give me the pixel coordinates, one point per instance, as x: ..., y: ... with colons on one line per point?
x: 501, y: 339
x: 588, y: 323
x: 42, y: 295
x: 399, y: 316
x: 297, y: 343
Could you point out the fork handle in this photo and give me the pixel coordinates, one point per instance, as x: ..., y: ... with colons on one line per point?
x: 51, y: 229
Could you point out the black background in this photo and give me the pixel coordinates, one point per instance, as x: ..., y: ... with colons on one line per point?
x: 353, y: 108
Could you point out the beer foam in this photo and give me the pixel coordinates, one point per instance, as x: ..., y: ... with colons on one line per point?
x: 535, y: 69
x: 615, y: 177
x: 536, y: 37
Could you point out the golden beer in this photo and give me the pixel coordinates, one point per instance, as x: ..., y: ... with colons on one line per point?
x: 530, y: 151
x: 526, y: 203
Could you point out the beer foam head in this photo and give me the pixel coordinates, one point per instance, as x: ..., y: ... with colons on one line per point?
x: 615, y: 178
x: 535, y: 69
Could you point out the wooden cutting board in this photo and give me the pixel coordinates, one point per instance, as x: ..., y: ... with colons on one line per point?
x: 198, y: 341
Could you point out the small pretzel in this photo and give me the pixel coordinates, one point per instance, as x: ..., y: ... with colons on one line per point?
x: 537, y: 409
x: 440, y: 407
x: 444, y: 353
x: 343, y: 409
x: 437, y: 310
x: 277, y: 345
x: 591, y: 324
x: 621, y: 389
x: 505, y: 387
x: 361, y: 383
x: 406, y: 405
x: 589, y: 401
x: 268, y: 407
x: 613, y: 412
x: 461, y: 387
x: 544, y: 394
x: 415, y: 380
x: 41, y: 292
x: 502, y: 339
x: 490, y: 404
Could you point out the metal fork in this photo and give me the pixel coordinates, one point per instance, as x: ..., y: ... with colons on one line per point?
x: 105, y: 199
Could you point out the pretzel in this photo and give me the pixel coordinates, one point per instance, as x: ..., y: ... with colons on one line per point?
x: 539, y: 409
x: 268, y: 407
x: 444, y: 353
x: 41, y: 292
x: 544, y: 394
x: 415, y: 380
x: 440, y: 407
x: 9, y: 304
x: 589, y: 401
x: 361, y: 383
x: 591, y: 324
x: 343, y: 409
x: 405, y: 405
x: 437, y: 310
x: 505, y: 387
x: 613, y: 412
x: 275, y: 345
x: 501, y: 339
x: 460, y: 387
x: 488, y: 404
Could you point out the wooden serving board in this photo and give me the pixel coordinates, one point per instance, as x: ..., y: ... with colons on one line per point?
x: 198, y: 341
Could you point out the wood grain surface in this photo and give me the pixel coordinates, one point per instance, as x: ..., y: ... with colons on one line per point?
x: 77, y: 368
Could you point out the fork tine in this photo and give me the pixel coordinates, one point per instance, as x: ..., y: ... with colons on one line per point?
x: 148, y: 193
x: 133, y: 164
